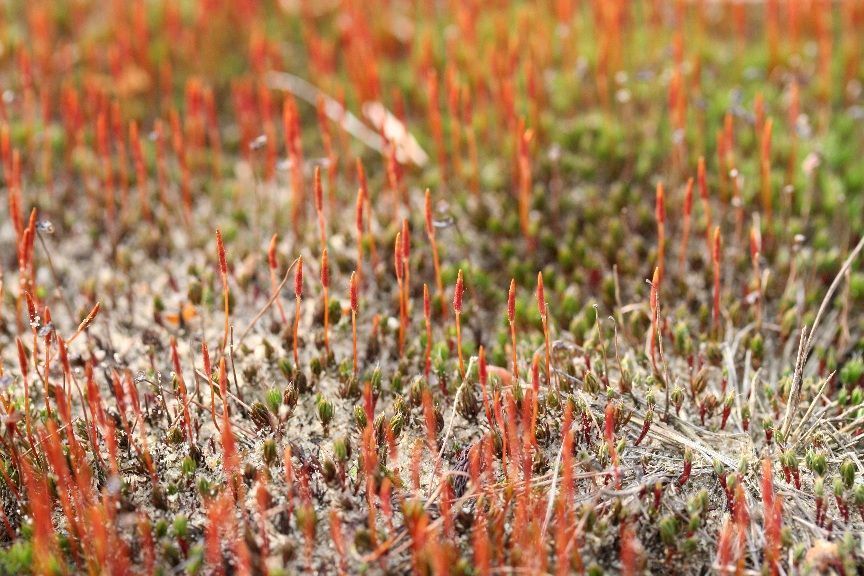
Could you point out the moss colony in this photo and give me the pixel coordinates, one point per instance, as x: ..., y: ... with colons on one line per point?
x: 470, y: 287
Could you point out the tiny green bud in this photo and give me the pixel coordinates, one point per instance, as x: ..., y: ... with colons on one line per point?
x: 847, y: 472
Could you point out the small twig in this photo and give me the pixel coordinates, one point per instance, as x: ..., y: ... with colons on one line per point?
x: 269, y: 303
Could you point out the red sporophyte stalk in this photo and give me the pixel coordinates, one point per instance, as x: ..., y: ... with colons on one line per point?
x: 369, y: 460
x: 511, y: 319
x: 384, y: 495
x: 562, y: 521
x: 793, y: 113
x: 727, y: 409
x: 327, y: 141
x: 338, y: 539
x: 208, y: 371
x: 22, y: 362
x: 358, y: 213
x: 524, y: 170
x: 161, y: 164
x: 39, y: 503
x: 688, y: 211
x: 715, y: 259
x: 184, y: 398
x: 427, y: 313
x: 262, y: 501
x: 288, y: 464
x: 394, y: 179
x: 399, y: 267
x: 765, y: 172
x: 298, y: 295
x: 274, y: 282
x: 726, y: 548
x: 103, y: 147
x: 364, y: 191
x: 724, y: 478
x: 325, y: 285
x: 457, y: 308
x: 445, y: 503
x: 737, y: 202
x: 319, y: 207
x: 352, y: 296
x: 178, y: 143
x: 471, y: 137
x: 140, y: 171
x: 454, y: 92
x: 435, y: 121
x: 631, y: 550
x: 231, y: 460
x: 223, y: 274
x: 654, y: 307
x: 291, y: 127
x: 483, y: 374
x: 480, y: 544
x: 755, y: 252
x: 773, y: 517
x: 430, y: 232
x: 85, y: 324
x: 688, y: 466
x: 406, y: 263
x: 609, y: 434
x: 646, y: 424
x: 703, y: 195
x: 660, y: 216
x: 535, y: 388
x: 544, y: 316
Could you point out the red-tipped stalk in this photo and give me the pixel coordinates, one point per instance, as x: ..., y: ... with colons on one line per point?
x: 703, y: 195
x: 483, y: 374
x: 609, y: 434
x: 319, y: 207
x: 755, y: 251
x: 435, y: 121
x: 184, y: 397
x: 544, y: 316
x: 654, y: 307
x: 229, y: 446
x: 22, y: 361
x: 274, y: 282
x: 352, y: 297
x: 338, y: 539
x: 208, y: 371
x: 364, y: 192
x: 399, y: 267
x: 457, y: 308
x: 773, y: 517
x: 524, y: 165
x: 660, y: 216
x: 358, y: 214
x: 646, y: 423
x: 688, y: 467
x: 765, y: 172
x: 325, y: 285
x: 291, y: 127
x: 406, y: 272
x: 511, y: 319
x: 430, y: 232
x: 427, y: 318
x: 85, y: 324
x: 298, y: 295
x: 715, y: 260
x: 140, y: 171
x: 223, y: 274
x: 688, y: 211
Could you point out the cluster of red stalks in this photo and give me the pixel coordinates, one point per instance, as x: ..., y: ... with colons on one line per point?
x: 146, y: 170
